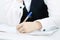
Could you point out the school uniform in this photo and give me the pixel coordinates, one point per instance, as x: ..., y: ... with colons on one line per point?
x: 12, y: 12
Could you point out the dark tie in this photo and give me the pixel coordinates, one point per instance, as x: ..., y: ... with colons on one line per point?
x: 24, y: 13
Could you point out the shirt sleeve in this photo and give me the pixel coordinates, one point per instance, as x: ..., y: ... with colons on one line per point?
x: 49, y: 23
x: 53, y: 9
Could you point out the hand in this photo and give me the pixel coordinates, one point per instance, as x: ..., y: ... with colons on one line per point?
x: 28, y: 27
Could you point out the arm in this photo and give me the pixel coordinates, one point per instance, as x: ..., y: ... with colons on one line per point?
x: 49, y: 23
x: 46, y: 24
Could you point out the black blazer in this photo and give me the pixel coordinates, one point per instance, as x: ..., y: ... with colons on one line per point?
x: 38, y: 9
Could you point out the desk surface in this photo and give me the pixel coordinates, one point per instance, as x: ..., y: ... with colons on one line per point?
x: 12, y: 36
x: 17, y: 36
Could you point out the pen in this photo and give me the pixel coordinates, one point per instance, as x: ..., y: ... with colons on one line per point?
x: 27, y: 16
x: 26, y: 19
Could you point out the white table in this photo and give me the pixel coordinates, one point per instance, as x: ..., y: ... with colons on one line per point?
x: 17, y: 36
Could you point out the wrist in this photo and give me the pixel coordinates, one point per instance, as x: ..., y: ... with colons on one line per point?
x: 39, y: 25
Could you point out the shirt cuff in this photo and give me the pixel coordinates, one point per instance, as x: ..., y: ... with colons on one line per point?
x: 47, y: 24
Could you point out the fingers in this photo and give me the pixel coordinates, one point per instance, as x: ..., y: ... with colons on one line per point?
x: 22, y: 30
x: 19, y: 26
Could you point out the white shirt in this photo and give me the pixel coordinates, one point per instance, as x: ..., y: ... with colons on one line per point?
x: 45, y: 22
x: 10, y: 13
x: 27, y: 3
